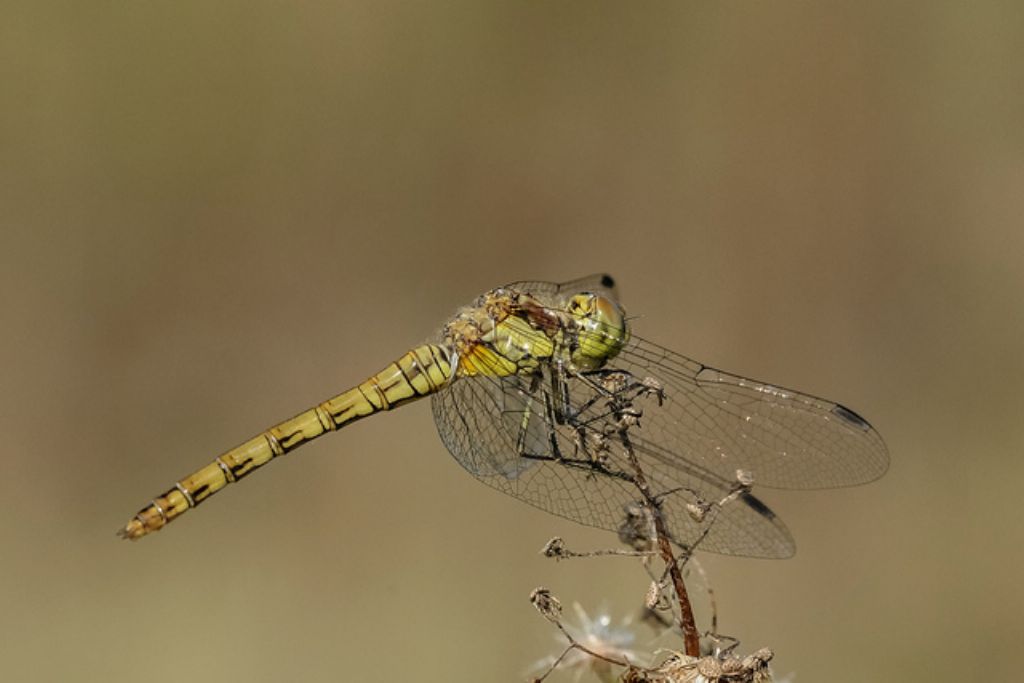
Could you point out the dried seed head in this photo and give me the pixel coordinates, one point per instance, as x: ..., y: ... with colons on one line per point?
x: 555, y: 548
x: 697, y: 512
x: 547, y: 604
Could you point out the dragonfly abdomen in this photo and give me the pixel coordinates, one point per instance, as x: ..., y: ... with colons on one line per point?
x: 418, y: 373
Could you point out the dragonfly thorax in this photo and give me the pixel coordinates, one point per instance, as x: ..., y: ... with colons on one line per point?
x: 509, y: 332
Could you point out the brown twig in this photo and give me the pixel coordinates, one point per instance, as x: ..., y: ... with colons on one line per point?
x: 557, y: 549
x: 691, y: 637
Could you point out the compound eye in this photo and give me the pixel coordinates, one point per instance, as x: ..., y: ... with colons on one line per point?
x: 602, y: 332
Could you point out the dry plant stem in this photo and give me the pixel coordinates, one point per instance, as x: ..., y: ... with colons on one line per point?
x: 575, y: 645
x: 611, y: 552
x: 691, y: 638
x: 556, y: 548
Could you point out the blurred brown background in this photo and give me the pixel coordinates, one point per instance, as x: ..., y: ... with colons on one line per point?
x: 216, y: 214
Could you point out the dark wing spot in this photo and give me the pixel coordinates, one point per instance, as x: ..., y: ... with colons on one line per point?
x: 607, y: 281
x: 851, y: 417
x: 757, y: 506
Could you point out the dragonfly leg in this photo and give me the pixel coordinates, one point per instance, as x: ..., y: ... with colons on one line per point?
x: 562, y: 410
x: 553, y: 415
x: 524, y: 426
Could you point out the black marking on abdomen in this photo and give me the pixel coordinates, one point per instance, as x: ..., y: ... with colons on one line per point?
x: 196, y: 496
x: 288, y: 444
x: 420, y: 371
x: 241, y: 466
x: 415, y: 391
x: 444, y: 352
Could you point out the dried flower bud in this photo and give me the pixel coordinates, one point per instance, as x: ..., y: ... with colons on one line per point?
x: 547, y: 604
x: 555, y: 548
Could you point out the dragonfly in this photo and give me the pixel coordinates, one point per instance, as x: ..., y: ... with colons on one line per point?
x: 541, y: 390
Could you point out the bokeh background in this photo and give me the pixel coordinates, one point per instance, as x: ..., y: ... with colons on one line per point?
x: 214, y: 215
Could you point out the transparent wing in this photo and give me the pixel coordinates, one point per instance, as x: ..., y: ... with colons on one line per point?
x: 785, y: 438
x: 504, y: 432
x: 552, y: 292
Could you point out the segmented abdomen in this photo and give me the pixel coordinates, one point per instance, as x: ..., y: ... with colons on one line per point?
x: 418, y: 373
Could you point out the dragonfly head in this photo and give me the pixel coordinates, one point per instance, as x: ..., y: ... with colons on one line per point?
x: 602, y: 330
